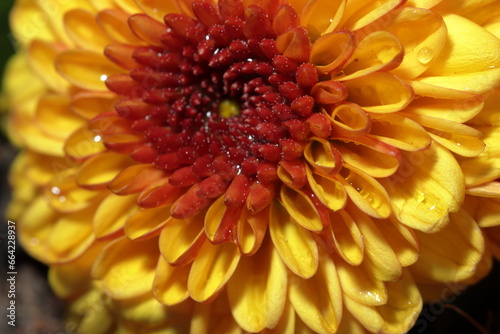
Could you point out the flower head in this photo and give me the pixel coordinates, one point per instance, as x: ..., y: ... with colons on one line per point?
x: 219, y: 166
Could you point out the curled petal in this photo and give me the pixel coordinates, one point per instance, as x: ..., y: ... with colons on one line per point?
x: 293, y: 173
x: 260, y: 196
x: 349, y: 120
x: 158, y: 9
x: 189, y: 204
x: 181, y: 239
x: 329, y: 191
x: 251, y: 230
x: 379, y: 92
x: 295, y: 244
x: 126, y: 279
x: 330, y: 52
x: 211, y: 269
x: 294, y: 44
x: 90, y: 104
x: 285, y: 18
x: 321, y: 16
x: 220, y: 221
x: 83, y: 144
x: 323, y: 156
x: 301, y: 208
x: 329, y: 92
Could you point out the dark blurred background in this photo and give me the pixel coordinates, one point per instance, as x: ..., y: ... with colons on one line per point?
x: 39, y: 312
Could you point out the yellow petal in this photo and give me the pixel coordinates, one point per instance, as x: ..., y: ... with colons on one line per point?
x: 360, y: 13
x: 100, y: 170
x: 331, y: 51
x: 402, y: 240
x: 379, y: 51
x: 320, y: 17
x: 444, y: 103
x: 426, y: 188
x: 135, y: 178
x: 86, y: 69
x: 286, y: 324
x: 157, y: 9
x: 126, y: 268
x: 112, y: 213
x: 54, y: 116
x: 64, y: 195
x: 42, y: 56
x: 318, y: 300
x: 146, y: 311
x: 477, y: 82
x: 366, y: 193
x: 399, y: 131
x: 211, y: 269
x: 55, y: 10
x: 486, y: 166
x: 73, y: 278
x: 358, y: 283
x: 398, y: 315
x: 38, y: 219
x: 84, y: 31
x: 25, y: 21
x: 301, y: 209
x: 423, y: 35
x: 181, y: 239
x: 458, y: 138
x: 257, y: 290
x: 129, y: 6
x: 379, y: 92
x: 452, y: 254
x: 146, y: 223
x: 147, y: 29
x: 114, y: 23
x: 469, y: 48
x: 213, y: 317
x: 83, y: 143
x: 347, y: 238
x: 295, y: 244
x: 170, y: 283
x: 71, y: 235
x: 383, y: 262
x: 372, y: 157
x: 90, y: 104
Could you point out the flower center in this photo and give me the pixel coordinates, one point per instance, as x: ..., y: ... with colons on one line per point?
x: 230, y: 92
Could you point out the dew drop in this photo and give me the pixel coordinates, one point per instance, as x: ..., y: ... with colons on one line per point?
x: 425, y: 55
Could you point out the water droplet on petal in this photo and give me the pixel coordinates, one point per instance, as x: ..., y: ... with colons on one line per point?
x: 425, y: 55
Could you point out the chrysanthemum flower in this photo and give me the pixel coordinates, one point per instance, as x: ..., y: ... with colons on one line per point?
x: 255, y: 165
